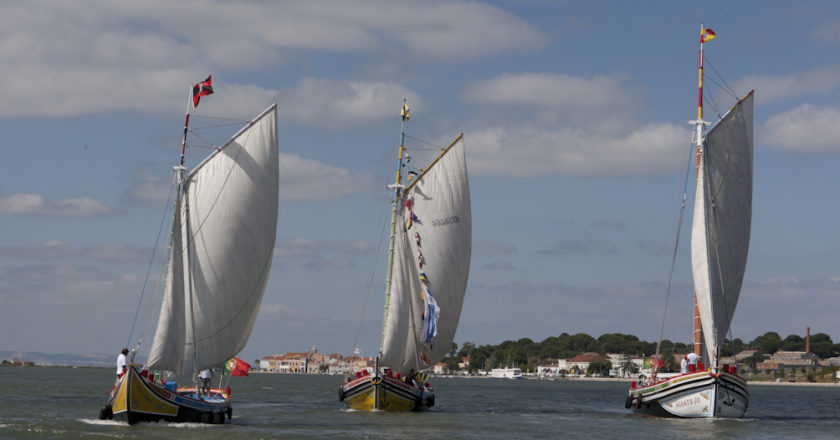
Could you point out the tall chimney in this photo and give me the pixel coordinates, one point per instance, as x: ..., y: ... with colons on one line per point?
x: 807, y: 339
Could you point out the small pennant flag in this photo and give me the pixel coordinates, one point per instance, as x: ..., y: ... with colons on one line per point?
x: 417, y: 238
x: 424, y: 278
x: 237, y: 367
x: 404, y: 112
x: 412, y: 174
x: 203, y: 88
x: 424, y: 358
x: 706, y: 35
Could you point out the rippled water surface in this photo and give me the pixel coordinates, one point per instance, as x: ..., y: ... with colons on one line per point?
x: 64, y: 403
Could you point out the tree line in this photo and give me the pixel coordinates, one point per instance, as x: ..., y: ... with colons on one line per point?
x: 527, y: 354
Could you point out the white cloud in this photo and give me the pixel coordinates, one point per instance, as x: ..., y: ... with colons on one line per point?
x: 308, y: 180
x: 146, y: 188
x: 548, y: 90
x: 775, y: 87
x: 301, y: 180
x: 806, y: 128
x: 532, y: 151
x: 330, y: 102
x: 600, y: 101
x: 36, y: 205
x: 118, y: 55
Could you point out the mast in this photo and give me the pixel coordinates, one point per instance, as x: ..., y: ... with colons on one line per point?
x: 397, y: 187
x: 699, y: 138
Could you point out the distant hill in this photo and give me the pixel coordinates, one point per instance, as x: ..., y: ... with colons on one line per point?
x: 63, y: 359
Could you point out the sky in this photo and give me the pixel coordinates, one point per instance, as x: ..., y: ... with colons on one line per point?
x: 574, y: 117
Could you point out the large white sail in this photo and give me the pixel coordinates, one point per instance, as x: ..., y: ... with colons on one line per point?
x: 721, y: 226
x: 231, y: 204
x: 168, y: 348
x: 432, y: 252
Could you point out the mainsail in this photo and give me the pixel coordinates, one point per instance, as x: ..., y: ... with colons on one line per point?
x: 224, y: 226
x: 432, y: 250
x: 721, y: 227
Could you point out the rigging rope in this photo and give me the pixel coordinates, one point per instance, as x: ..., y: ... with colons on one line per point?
x: 673, y: 260
x: 370, y: 280
x: 148, y: 270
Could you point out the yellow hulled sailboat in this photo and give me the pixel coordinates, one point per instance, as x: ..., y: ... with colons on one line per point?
x: 428, y: 268
x: 221, y: 244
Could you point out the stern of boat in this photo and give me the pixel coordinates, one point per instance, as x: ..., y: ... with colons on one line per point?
x: 704, y: 394
x: 382, y: 393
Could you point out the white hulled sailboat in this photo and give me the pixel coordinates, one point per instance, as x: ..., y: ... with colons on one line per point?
x: 428, y: 268
x: 719, y: 244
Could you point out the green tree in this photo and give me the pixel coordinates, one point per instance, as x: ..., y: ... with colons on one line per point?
x: 767, y: 343
x: 793, y: 343
x: 453, y: 349
x: 466, y: 349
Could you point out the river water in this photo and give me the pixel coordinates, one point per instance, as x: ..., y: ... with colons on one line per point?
x: 64, y: 403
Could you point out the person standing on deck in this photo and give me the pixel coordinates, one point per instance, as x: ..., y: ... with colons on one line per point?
x: 692, y: 360
x: 684, y: 365
x: 205, y: 376
x: 121, y: 363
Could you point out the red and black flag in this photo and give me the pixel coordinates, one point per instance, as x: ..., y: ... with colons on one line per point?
x: 203, y: 88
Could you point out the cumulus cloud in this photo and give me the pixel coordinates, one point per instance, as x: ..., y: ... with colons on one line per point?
x: 301, y: 180
x: 326, y: 101
x: 777, y: 87
x: 62, y: 63
x: 37, y: 205
x: 598, y: 102
x: 149, y: 189
x: 566, y: 125
x: 806, y: 128
x: 525, y: 151
x: 308, y: 180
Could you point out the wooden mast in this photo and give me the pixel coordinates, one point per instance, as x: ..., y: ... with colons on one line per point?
x: 698, y: 139
x: 394, y: 208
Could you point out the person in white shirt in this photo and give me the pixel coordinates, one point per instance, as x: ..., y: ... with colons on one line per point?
x: 692, y: 360
x: 205, y: 376
x: 684, y: 365
x: 121, y: 362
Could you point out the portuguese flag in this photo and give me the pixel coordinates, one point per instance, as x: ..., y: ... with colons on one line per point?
x: 237, y: 367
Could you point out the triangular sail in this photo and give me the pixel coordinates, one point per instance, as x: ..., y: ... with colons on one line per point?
x: 432, y: 251
x: 168, y: 346
x: 722, y: 215
x: 232, y: 201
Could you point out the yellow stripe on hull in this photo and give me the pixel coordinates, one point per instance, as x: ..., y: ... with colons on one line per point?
x: 120, y: 403
x: 143, y: 400
x: 377, y: 397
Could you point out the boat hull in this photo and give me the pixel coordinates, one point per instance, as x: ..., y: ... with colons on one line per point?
x: 370, y: 393
x: 704, y: 394
x: 135, y: 399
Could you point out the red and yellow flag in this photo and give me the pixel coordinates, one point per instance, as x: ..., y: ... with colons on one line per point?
x: 706, y: 35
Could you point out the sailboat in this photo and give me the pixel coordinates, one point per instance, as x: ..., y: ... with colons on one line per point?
x: 719, y: 244
x: 224, y: 223
x: 428, y: 267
